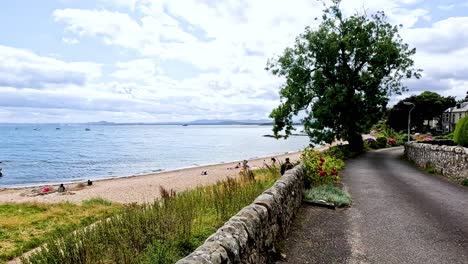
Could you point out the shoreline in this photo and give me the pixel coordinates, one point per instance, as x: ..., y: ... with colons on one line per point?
x: 139, y: 188
x: 143, y: 174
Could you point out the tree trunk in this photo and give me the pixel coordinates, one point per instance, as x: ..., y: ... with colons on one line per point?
x: 356, y: 144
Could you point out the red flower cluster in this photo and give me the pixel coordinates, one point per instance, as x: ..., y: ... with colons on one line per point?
x: 324, y: 173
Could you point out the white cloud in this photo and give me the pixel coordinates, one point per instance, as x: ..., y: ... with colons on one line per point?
x: 112, y: 27
x: 228, y: 42
x: 444, y: 36
x: 23, y: 68
x: 70, y: 41
x: 446, y: 7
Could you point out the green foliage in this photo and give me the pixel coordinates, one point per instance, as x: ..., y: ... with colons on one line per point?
x: 161, y: 232
x: 341, y: 152
x: 341, y: 75
x: 429, y: 168
x: 320, y: 168
x: 329, y: 193
x: 445, y: 136
x: 383, y: 129
x: 381, y: 141
x: 428, y: 106
x: 465, y: 182
x: 401, y: 139
x: 96, y: 201
x: 460, y: 136
x: 28, y: 225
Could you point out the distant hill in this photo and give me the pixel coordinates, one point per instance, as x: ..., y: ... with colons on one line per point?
x: 263, y: 122
x: 228, y: 122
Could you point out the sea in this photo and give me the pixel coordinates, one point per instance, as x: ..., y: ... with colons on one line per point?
x: 42, y: 154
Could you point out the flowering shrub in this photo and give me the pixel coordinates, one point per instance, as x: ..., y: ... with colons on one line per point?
x: 381, y: 142
x: 370, y: 143
x: 427, y: 138
x: 391, y: 141
x: 320, y: 168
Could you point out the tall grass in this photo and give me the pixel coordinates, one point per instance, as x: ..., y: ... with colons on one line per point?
x: 24, y: 226
x: 161, y: 232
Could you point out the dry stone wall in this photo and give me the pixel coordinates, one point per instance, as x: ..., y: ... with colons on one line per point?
x: 450, y: 161
x: 252, y: 234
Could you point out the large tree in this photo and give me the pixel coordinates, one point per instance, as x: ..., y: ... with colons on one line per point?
x: 428, y: 106
x: 341, y: 75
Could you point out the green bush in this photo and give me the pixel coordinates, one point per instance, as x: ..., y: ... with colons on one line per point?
x: 381, y: 142
x: 465, y: 182
x: 460, y: 136
x: 444, y: 136
x: 340, y: 152
x: 401, y: 139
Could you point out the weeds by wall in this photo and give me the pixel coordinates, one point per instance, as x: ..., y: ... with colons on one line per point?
x: 251, y: 235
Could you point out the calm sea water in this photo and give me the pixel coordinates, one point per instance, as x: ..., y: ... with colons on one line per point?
x: 48, y: 155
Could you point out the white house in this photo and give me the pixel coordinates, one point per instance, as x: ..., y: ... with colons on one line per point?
x: 451, y: 116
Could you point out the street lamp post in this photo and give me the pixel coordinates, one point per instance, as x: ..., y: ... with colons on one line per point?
x: 409, y: 119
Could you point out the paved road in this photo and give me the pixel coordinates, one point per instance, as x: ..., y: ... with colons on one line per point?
x: 399, y: 215
x: 403, y: 215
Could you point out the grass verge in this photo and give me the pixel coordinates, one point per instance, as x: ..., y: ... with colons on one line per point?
x: 161, y: 232
x: 24, y: 226
x: 328, y: 193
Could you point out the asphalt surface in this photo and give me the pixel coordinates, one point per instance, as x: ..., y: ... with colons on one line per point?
x: 316, y: 236
x: 400, y: 214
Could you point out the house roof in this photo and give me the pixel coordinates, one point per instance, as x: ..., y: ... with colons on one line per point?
x: 463, y: 108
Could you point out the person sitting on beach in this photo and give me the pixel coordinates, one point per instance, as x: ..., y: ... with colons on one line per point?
x: 61, y: 188
x: 204, y: 173
x: 286, y: 166
x: 90, y: 183
x: 237, y: 166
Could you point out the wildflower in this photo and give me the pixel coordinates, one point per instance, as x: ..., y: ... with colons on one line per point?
x: 333, y: 172
x: 323, y: 173
x: 322, y: 160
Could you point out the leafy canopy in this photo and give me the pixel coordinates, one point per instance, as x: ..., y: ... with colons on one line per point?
x: 428, y: 106
x: 341, y: 75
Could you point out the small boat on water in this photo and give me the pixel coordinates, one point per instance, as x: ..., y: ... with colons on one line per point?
x: 57, y: 128
x: 87, y: 129
x: 185, y: 125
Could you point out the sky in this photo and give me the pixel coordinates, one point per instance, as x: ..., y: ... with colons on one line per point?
x: 180, y: 60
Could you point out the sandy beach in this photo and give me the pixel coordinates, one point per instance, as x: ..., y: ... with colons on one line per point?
x: 138, y: 189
